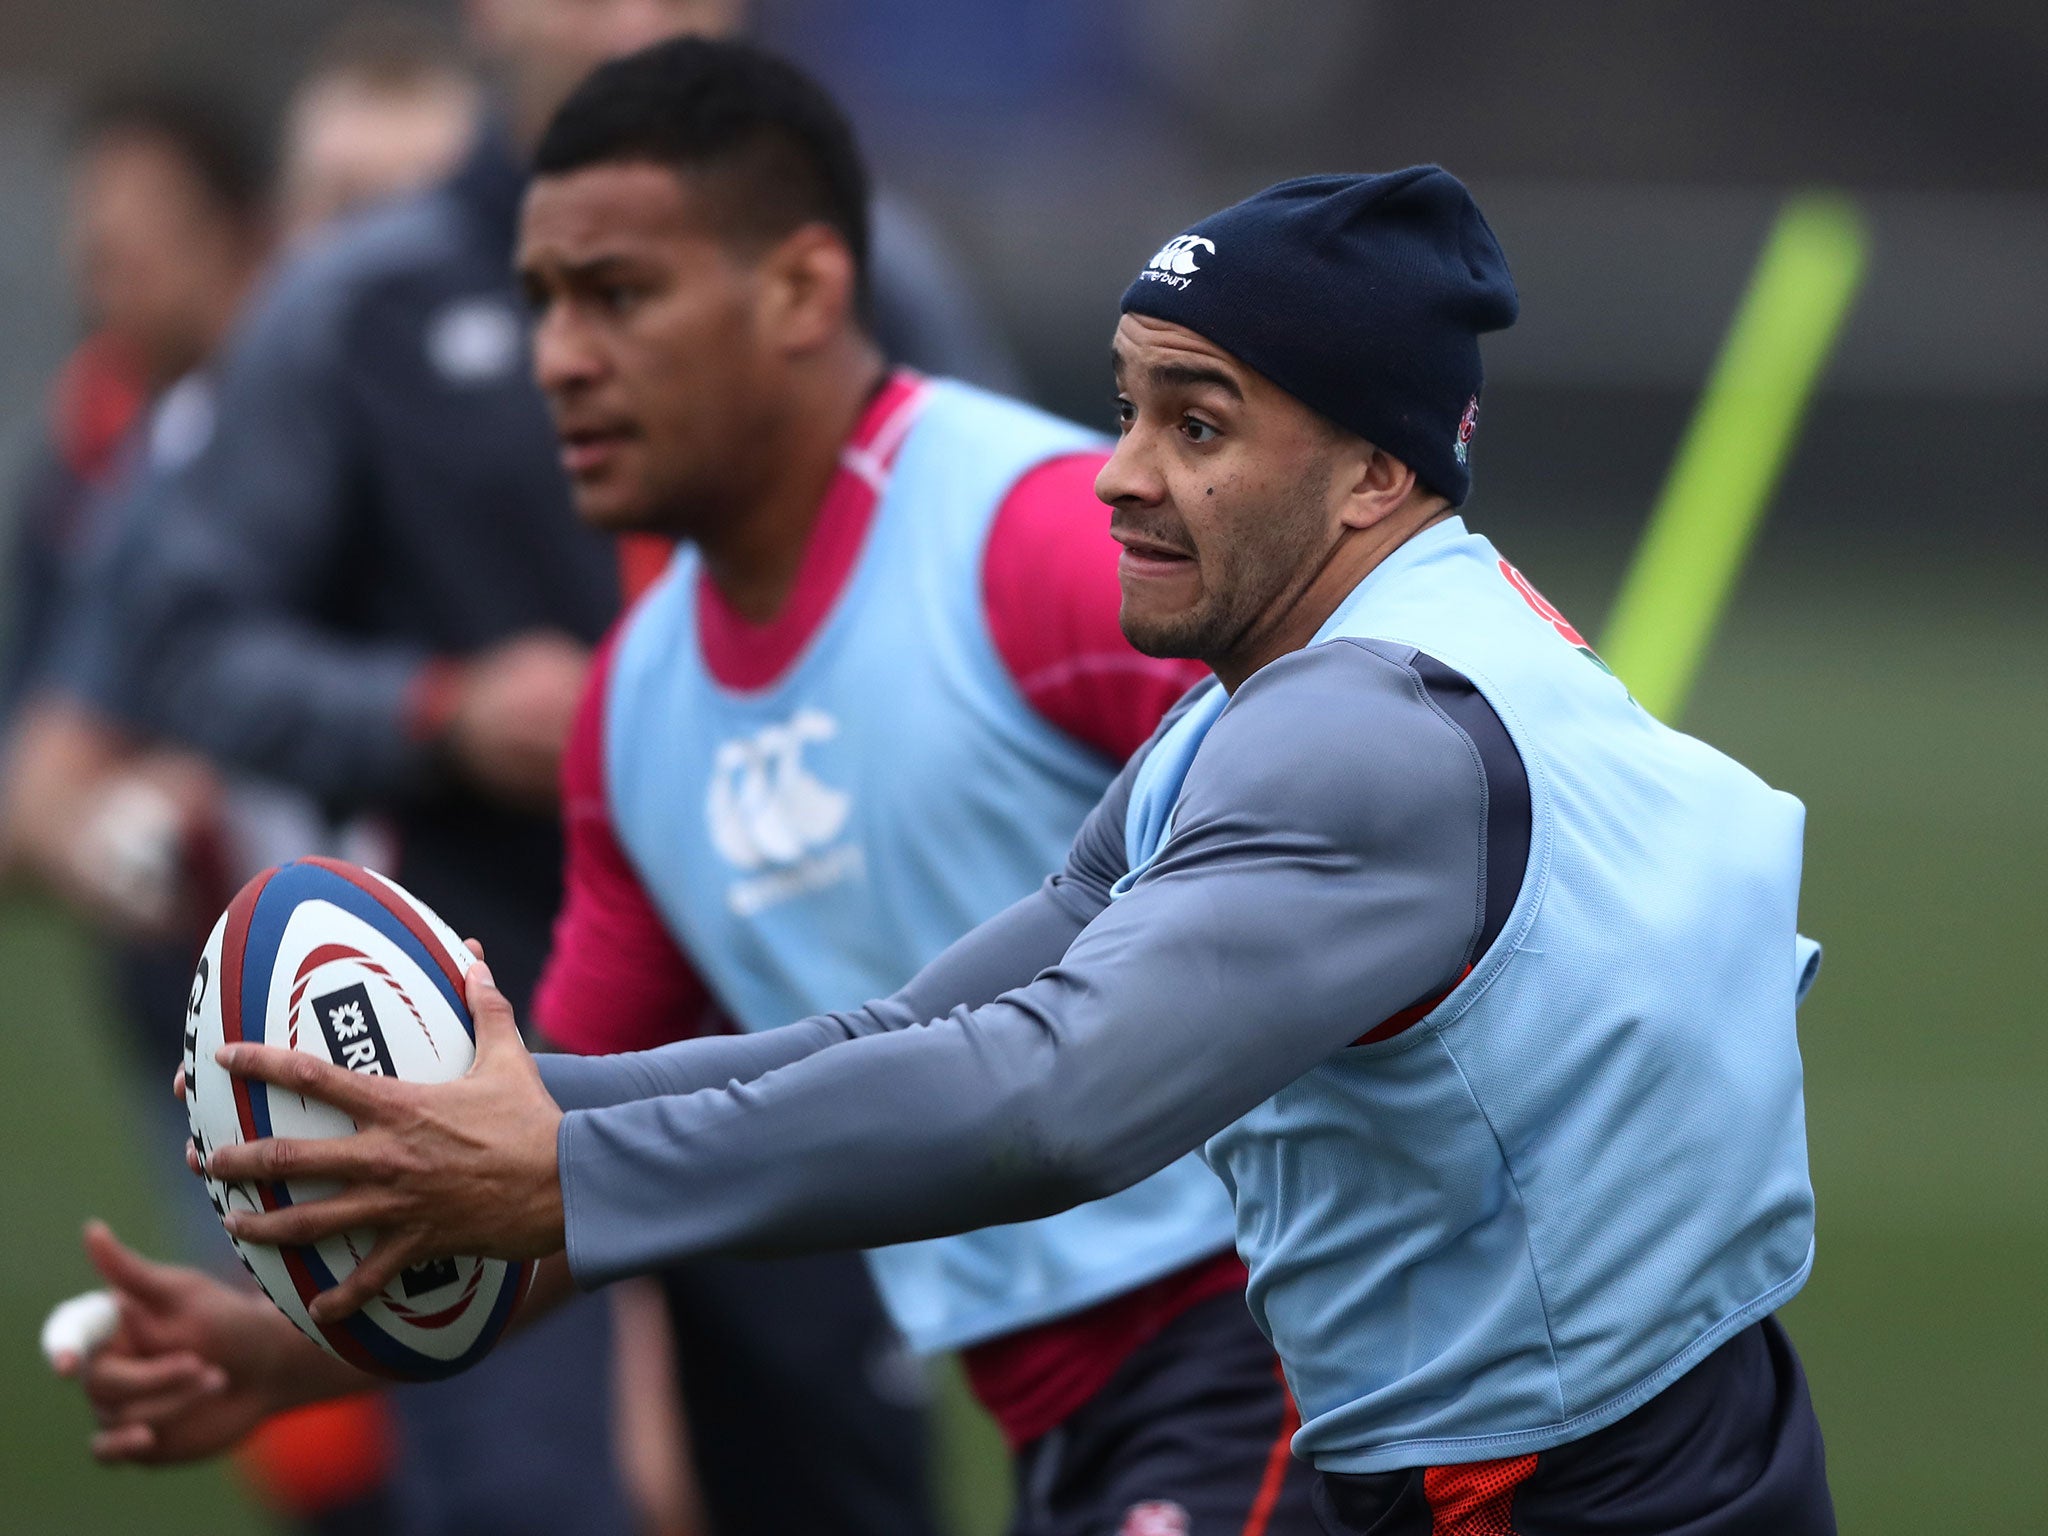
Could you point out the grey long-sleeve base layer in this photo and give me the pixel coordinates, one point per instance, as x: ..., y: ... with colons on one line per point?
x: 1327, y: 868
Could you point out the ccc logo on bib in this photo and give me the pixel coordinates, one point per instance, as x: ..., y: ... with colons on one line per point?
x: 764, y: 807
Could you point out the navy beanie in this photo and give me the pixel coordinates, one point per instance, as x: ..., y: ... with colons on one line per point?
x: 1364, y: 297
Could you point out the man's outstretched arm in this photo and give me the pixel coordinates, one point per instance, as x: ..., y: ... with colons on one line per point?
x: 1322, y: 875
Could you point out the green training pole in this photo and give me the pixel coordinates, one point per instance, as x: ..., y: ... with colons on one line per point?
x: 1735, y: 450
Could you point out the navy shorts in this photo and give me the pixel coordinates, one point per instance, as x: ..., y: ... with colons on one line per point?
x: 1189, y: 1438
x: 1732, y: 1448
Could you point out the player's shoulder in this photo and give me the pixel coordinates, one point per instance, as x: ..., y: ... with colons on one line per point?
x: 363, y: 251
x: 583, y: 781
x: 984, y: 416
x: 310, y: 308
x: 650, y: 640
x: 1013, y: 483
x: 320, y: 288
x: 1047, y: 521
x: 1331, y: 687
x: 1175, y: 712
x: 1345, y: 732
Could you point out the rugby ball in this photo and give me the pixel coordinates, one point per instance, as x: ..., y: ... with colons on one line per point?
x: 335, y: 960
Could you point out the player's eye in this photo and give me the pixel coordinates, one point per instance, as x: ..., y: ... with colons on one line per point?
x: 617, y: 298
x: 1126, y: 414
x: 1196, y: 430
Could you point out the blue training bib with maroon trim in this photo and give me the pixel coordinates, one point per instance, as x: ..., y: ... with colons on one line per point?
x: 1584, y: 1169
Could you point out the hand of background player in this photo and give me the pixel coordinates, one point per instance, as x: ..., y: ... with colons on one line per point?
x: 509, y: 716
x: 466, y: 1167
x: 194, y: 1364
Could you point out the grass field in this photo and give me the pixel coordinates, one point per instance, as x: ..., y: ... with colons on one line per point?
x: 1912, y: 717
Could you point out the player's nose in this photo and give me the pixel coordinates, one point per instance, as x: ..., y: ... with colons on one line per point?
x: 1130, y: 477
x: 563, y: 355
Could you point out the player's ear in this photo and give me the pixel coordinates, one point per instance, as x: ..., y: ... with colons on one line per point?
x: 808, y: 282
x: 1373, y: 483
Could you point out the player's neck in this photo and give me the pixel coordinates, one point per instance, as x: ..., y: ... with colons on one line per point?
x: 1297, y: 617
x: 756, y: 555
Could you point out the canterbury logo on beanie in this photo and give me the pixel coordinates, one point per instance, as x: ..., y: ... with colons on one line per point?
x: 1176, y: 261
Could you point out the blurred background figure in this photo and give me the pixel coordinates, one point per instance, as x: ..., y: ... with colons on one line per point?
x: 168, y: 228
x: 389, y: 107
x: 172, y: 221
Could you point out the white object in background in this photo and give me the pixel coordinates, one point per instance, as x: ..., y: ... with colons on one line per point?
x: 80, y: 1326
x: 130, y: 851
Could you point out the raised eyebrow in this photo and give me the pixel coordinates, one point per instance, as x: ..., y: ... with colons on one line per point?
x: 596, y: 269
x: 1191, y: 375
x: 571, y: 274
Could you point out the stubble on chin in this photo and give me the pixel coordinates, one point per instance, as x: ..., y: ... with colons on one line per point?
x: 1253, y: 576
x: 1170, y: 634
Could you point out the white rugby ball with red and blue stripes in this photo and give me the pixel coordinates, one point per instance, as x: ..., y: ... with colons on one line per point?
x: 335, y: 960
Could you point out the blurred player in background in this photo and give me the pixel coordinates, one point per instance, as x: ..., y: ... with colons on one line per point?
x: 388, y: 107
x: 146, y: 840
x: 171, y: 222
x: 169, y: 228
x: 306, y: 606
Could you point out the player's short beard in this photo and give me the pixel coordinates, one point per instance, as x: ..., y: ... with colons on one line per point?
x: 1247, y: 572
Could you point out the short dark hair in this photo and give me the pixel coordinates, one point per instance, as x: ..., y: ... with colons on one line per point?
x: 214, y: 142
x: 729, y: 112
